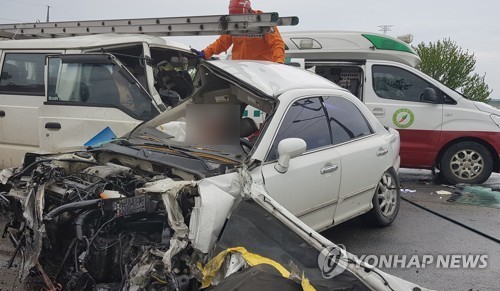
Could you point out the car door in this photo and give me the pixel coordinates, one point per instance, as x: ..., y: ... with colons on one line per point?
x: 21, y: 95
x: 394, y: 95
x: 365, y: 156
x: 86, y: 95
x: 310, y: 187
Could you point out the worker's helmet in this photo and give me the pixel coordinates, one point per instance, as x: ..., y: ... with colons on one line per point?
x: 240, y: 7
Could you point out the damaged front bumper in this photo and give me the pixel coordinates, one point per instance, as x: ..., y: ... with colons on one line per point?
x: 84, y: 223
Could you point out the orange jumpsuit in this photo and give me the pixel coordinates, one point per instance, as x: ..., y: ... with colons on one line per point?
x: 266, y: 47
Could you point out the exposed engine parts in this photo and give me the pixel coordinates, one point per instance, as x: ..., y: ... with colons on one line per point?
x: 87, y: 227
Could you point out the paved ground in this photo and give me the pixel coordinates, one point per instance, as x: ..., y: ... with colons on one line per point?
x: 417, y: 231
x: 7, y: 276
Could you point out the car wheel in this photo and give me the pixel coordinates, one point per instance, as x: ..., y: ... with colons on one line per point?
x: 385, y: 201
x: 467, y: 162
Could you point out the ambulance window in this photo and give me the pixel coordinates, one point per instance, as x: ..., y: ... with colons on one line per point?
x: 398, y: 84
x: 346, y: 121
x: 23, y: 74
x: 305, y: 119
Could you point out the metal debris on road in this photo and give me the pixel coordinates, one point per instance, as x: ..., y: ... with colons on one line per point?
x: 442, y: 192
x: 408, y: 191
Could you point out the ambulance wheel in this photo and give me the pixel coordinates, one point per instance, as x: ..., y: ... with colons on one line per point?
x: 385, y: 201
x: 467, y: 163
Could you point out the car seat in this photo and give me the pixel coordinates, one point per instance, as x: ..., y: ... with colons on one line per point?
x: 247, y: 127
x: 102, y: 87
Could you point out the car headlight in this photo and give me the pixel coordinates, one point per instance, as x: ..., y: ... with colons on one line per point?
x: 496, y: 119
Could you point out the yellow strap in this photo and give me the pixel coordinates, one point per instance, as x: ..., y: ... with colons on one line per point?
x: 306, y: 285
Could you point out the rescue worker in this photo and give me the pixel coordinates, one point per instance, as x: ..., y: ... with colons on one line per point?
x: 264, y: 47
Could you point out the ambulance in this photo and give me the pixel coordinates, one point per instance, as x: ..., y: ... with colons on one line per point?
x: 439, y: 127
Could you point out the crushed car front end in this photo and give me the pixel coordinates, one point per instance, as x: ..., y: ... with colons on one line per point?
x: 116, y: 220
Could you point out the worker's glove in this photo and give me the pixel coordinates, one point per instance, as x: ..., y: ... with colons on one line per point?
x: 200, y: 54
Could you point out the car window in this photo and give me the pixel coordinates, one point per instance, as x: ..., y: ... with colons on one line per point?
x: 346, y: 121
x: 22, y: 74
x: 398, y: 84
x: 90, y: 84
x: 305, y: 119
x: 132, y: 57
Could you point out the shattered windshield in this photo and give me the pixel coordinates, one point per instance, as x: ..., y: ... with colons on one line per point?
x: 215, y: 133
x: 220, y: 116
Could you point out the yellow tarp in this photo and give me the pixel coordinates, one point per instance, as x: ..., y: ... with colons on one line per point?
x: 211, y: 269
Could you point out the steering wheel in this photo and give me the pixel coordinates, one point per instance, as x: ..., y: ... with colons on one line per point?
x: 246, y: 145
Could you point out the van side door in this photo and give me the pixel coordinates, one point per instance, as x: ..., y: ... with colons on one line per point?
x: 21, y: 95
x: 86, y: 94
x: 400, y: 97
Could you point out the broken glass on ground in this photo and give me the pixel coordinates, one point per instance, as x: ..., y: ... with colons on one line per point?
x: 476, y: 195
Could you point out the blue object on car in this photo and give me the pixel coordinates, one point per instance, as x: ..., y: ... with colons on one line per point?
x: 102, y: 137
x: 200, y: 54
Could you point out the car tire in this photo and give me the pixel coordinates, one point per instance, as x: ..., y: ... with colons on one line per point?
x: 385, y: 201
x: 467, y: 163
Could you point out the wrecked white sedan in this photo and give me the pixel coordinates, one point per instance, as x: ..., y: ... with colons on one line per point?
x: 320, y: 152
x: 160, y: 211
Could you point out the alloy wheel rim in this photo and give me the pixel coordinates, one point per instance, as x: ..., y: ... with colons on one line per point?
x: 387, y: 195
x: 467, y: 164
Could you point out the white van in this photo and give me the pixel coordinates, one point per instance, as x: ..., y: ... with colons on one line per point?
x: 439, y: 127
x: 33, y: 117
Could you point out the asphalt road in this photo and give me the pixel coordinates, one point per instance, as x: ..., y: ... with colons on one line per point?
x: 418, y: 232
x: 8, y: 276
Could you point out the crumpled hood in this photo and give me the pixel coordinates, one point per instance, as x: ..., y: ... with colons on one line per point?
x: 268, y: 79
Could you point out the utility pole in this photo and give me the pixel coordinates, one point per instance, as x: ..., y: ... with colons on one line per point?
x: 385, y: 28
x: 48, y: 12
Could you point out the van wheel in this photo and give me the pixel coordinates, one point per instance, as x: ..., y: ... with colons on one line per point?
x: 385, y: 201
x: 467, y: 162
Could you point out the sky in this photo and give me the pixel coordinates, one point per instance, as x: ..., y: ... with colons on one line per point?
x: 473, y: 25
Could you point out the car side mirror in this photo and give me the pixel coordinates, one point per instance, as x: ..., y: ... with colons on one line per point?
x: 288, y: 149
x: 429, y: 96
